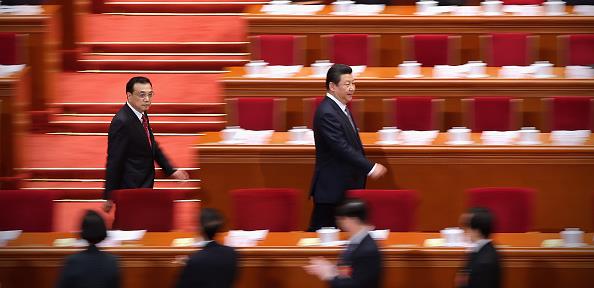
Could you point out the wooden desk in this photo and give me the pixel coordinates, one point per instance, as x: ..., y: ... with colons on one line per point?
x: 41, y: 53
x: 377, y: 83
x: 30, y: 261
x: 13, y: 122
x: 397, y: 21
x: 440, y: 173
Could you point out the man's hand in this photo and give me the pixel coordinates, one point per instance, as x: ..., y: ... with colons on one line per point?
x: 107, y: 206
x: 378, y: 172
x: 180, y: 175
x: 321, y: 268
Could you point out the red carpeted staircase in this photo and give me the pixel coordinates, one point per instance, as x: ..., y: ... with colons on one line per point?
x: 182, y: 46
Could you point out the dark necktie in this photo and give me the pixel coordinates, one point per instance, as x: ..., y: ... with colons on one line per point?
x: 348, y: 113
x: 146, y: 130
x: 345, y: 256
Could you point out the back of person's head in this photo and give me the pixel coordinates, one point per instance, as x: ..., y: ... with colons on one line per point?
x: 211, y: 222
x: 93, y: 227
x: 134, y: 80
x: 353, y: 208
x: 335, y: 72
x: 481, y: 220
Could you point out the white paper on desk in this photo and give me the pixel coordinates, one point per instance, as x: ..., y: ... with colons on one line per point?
x: 281, y: 71
x: 21, y: 9
x: 584, y: 10
x: 9, y: 235
x: 121, y: 235
x: 6, y: 70
x: 254, y: 137
x: 367, y: 9
x: 358, y: 69
x: 255, y: 235
x: 289, y: 9
x: 380, y: 234
x: 498, y: 137
x: 414, y: 137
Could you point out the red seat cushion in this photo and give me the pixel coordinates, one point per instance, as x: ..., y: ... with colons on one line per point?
x: 256, y: 113
x: 274, y: 209
x: 509, y: 49
x: 144, y: 209
x: 350, y: 49
x: 581, y: 49
x: 389, y: 209
x: 571, y: 113
x: 278, y: 49
x: 8, y: 46
x: 414, y: 113
x: 492, y: 114
x: 27, y: 210
x: 512, y: 207
x: 431, y: 50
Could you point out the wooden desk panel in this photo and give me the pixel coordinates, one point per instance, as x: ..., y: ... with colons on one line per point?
x: 278, y: 262
x: 42, y: 31
x: 377, y: 83
x: 14, y: 99
x: 397, y: 21
x: 440, y: 173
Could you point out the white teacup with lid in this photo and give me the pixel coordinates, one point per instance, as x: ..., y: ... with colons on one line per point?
x: 572, y: 237
x: 328, y: 235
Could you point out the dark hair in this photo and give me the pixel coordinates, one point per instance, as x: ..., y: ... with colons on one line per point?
x: 335, y: 72
x: 353, y: 208
x: 134, y: 80
x: 211, y: 222
x: 481, y: 219
x: 93, y: 227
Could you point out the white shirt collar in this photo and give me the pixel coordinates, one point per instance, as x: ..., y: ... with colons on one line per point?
x: 138, y: 114
x: 479, y: 244
x: 342, y: 106
x: 358, y: 237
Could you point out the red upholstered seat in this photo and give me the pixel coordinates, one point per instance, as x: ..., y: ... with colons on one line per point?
x: 144, y: 208
x: 522, y: 2
x: 351, y: 49
x: 505, y: 49
x: 278, y: 49
x: 581, y: 49
x: 257, y: 113
x: 432, y: 49
x: 9, y: 48
x: 389, y: 209
x: 570, y: 113
x: 512, y: 207
x: 275, y: 209
x: 492, y: 113
x: 27, y: 210
x: 413, y: 113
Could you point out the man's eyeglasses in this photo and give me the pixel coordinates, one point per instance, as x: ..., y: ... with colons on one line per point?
x: 143, y: 95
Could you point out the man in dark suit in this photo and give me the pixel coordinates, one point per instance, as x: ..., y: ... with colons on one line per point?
x: 340, y: 160
x: 483, y: 268
x: 360, y: 264
x: 215, y: 266
x: 131, y: 147
x: 92, y: 267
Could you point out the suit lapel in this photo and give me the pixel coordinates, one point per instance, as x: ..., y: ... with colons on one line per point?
x: 138, y: 128
x: 346, y: 123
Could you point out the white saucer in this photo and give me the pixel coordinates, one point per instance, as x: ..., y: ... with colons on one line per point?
x: 459, y: 142
x: 255, y: 75
x: 230, y: 142
x: 299, y: 143
x: 477, y: 76
x: 543, y: 76
x: 556, y: 14
x: 492, y: 13
x: 578, y: 245
x: 503, y: 143
x: 335, y: 243
x: 528, y: 143
x: 317, y: 75
x: 425, y: 14
x: 341, y: 13
x: 410, y: 76
x: 388, y: 142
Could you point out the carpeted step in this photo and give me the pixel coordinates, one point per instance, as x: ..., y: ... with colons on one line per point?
x: 176, y: 6
x: 163, y: 33
x: 156, y: 108
x: 110, y: 88
x: 158, y: 124
x: 160, y: 63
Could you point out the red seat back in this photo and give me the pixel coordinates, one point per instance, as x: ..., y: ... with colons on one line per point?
x: 8, y: 46
x: 144, y: 209
x: 277, y: 49
x: 509, y: 49
x: 581, y: 49
x: 431, y: 50
x: 389, y: 209
x: 512, y: 207
x: 256, y: 113
x: 350, y: 49
x: 492, y: 114
x: 27, y: 210
x: 571, y: 113
x: 275, y: 209
x: 414, y: 113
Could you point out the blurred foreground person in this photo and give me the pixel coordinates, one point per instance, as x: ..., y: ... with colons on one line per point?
x: 92, y: 267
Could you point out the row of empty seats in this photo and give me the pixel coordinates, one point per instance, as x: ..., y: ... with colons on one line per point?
x: 275, y: 209
x: 423, y: 113
x: 497, y: 49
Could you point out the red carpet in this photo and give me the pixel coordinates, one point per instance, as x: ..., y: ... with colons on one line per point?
x: 186, y: 6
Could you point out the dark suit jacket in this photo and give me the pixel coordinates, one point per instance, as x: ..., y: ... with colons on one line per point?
x: 483, y: 268
x: 340, y: 160
x: 215, y: 266
x: 365, y: 266
x: 90, y: 269
x: 130, y: 158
